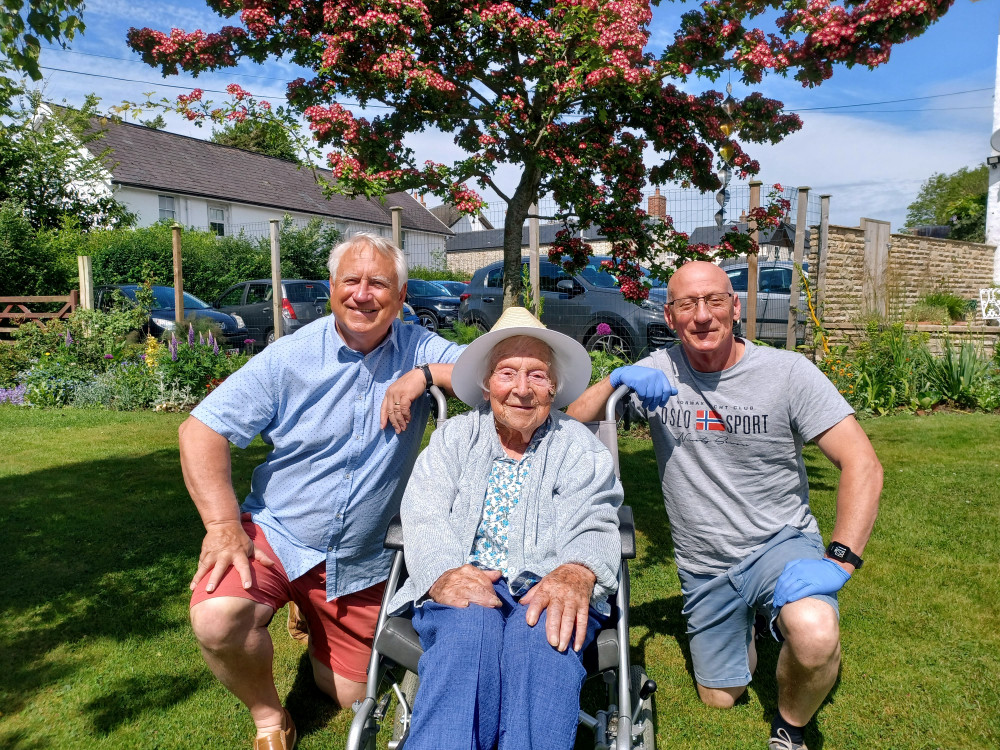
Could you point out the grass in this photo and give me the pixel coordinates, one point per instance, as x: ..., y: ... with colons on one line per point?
x: 99, y: 540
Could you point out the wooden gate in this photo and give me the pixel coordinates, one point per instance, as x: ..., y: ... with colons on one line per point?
x: 15, y: 309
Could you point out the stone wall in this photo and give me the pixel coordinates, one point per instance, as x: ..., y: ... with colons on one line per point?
x: 916, y: 266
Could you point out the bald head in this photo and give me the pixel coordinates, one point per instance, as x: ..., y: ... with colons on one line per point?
x: 697, y: 274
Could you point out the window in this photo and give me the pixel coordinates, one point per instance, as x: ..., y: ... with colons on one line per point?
x: 167, y: 209
x: 495, y: 277
x: 738, y: 278
x: 217, y: 220
x: 775, y: 280
x: 258, y: 293
x: 232, y: 298
x: 306, y: 292
x: 549, y: 275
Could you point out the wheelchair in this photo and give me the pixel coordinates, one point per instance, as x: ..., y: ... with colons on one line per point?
x: 627, y: 721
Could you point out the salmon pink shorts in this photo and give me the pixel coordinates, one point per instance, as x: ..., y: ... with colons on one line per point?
x: 341, y: 631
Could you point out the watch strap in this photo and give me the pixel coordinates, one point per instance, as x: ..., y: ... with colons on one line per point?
x: 843, y: 553
x: 428, y: 377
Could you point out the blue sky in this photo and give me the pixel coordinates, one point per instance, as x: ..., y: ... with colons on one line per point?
x: 870, y: 159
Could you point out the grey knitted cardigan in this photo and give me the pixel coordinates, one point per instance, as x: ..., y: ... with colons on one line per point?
x: 568, y: 511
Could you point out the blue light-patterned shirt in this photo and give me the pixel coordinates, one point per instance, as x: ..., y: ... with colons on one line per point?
x: 503, y: 490
x: 334, y: 477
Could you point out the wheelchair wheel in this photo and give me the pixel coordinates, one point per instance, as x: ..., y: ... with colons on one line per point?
x: 408, y: 685
x: 647, y: 737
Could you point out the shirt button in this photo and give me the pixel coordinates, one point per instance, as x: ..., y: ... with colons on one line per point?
x: 347, y: 476
x: 339, y: 516
x: 329, y: 549
x: 357, y: 437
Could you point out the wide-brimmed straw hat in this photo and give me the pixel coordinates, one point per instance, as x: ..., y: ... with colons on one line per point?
x: 572, y: 363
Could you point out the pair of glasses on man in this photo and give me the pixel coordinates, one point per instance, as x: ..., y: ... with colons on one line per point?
x: 509, y: 376
x: 715, y: 301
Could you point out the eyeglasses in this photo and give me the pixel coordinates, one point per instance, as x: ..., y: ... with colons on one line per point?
x: 715, y: 301
x: 509, y: 376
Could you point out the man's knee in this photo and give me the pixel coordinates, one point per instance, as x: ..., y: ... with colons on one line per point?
x: 811, y: 630
x: 463, y: 627
x: 724, y: 697
x: 223, y: 622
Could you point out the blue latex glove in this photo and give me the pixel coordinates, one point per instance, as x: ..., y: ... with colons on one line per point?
x: 802, y: 578
x: 650, y: 385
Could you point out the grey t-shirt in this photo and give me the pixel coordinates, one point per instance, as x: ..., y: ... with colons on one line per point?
x: 729, y: 449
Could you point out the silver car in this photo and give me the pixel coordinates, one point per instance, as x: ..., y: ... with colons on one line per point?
x: 302, y: 302
x: 774, y: 282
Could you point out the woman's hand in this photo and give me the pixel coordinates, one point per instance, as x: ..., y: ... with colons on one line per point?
x: 460, y: 587
x: 566, y: 593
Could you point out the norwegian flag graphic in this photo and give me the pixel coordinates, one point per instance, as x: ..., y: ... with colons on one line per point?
x: 709, y: 420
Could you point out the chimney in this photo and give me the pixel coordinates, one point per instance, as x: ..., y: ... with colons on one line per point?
x: 743, y: 217
x: 657, y: 205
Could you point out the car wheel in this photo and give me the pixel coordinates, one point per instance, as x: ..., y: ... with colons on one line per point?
x: 613, y: 343
x: 269, y: 339
x: 428, y: 320
x: 479, y: 325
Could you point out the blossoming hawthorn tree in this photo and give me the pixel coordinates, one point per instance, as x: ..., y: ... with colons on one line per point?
x: 565, y: 89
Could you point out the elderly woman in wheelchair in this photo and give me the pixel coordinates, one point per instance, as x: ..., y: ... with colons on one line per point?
x: 510, y: 533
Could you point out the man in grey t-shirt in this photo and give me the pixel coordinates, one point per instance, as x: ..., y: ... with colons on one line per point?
x: 728, y: 440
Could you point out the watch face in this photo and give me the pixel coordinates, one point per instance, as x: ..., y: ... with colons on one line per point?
x: 838, y: 550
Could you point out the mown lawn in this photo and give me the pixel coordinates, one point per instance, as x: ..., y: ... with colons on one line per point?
x: 98, y: 540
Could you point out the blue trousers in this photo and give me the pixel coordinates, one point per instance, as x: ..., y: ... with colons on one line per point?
x: 489, y: 680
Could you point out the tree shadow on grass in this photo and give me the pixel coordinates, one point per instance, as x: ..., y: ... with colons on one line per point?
x: 100, y: 549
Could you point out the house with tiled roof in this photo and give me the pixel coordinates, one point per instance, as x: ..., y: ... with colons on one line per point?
x: 205, y: 185
x: 459, y: 222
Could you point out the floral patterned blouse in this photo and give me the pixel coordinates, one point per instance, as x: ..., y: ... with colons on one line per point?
x: 503, y: 490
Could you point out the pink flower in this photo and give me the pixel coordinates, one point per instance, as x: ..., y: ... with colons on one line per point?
x: 603, y: 329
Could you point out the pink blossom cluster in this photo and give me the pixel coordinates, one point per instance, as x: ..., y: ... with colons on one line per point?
x: 237, y: 91
x: 332, y: 121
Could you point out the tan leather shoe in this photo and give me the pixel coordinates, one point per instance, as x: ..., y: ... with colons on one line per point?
x: 283, y: 740
x: 298, y: 628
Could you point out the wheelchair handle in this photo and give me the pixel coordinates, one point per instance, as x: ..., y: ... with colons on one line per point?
x: 441, y: 401
x: 612, y: 406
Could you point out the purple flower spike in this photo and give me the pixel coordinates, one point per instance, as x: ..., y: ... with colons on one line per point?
x: 109, y: 356
x: 603, y: 329
x: 211, y: 339
x: 191, y: 336
x: 215, y: 347
x: 201, y: 338
x: 69, y: 339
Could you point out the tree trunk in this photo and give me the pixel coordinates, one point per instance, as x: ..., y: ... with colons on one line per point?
x: 517, y: 212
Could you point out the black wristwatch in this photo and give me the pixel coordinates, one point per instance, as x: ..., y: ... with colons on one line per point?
x: 426, y: 369
x: 843, y: 553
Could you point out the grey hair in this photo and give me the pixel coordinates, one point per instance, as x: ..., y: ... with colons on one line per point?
x: 380, y: 245
x: 503, y: 348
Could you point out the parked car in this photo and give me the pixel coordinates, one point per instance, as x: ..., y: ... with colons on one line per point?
x: 455, y: 288
x: 774, y: 288
x: 410, y: 315
x: 434, y: 305
x: 576, y: 306
x: 302, y: 302
x: 162, y: 315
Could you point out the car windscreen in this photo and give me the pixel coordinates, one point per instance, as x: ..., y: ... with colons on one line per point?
x: 306, y: 292
x: 163, y: 298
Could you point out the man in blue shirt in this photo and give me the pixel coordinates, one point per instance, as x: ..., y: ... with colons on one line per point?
x: 333, y: 401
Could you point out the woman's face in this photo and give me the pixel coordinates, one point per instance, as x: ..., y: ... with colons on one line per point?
x: 520, y: 389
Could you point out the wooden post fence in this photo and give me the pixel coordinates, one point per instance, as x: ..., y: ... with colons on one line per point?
x: 276, y: 294
x: 178, y: 275
x: 751, y: 331
x: 799, y: 249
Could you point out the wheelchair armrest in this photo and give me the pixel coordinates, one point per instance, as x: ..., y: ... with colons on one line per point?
x: 626, y: 527
x: 394, y: 534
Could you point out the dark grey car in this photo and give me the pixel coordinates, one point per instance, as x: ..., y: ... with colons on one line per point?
x: 302, y: 302
x: 576, y: 306
x: 774, y: 282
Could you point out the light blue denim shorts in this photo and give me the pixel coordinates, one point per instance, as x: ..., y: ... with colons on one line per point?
x: 720, y: 609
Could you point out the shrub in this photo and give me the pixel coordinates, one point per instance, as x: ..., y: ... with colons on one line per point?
x: 12, y: 361
x: 438, y: 274
x: 54, y: 380
x: 955, y: 306
x: 28, y: 265
x: 127, y: 386
x: 956, y: 373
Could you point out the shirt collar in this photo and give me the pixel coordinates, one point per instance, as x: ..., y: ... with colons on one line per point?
x: 391, y: 340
